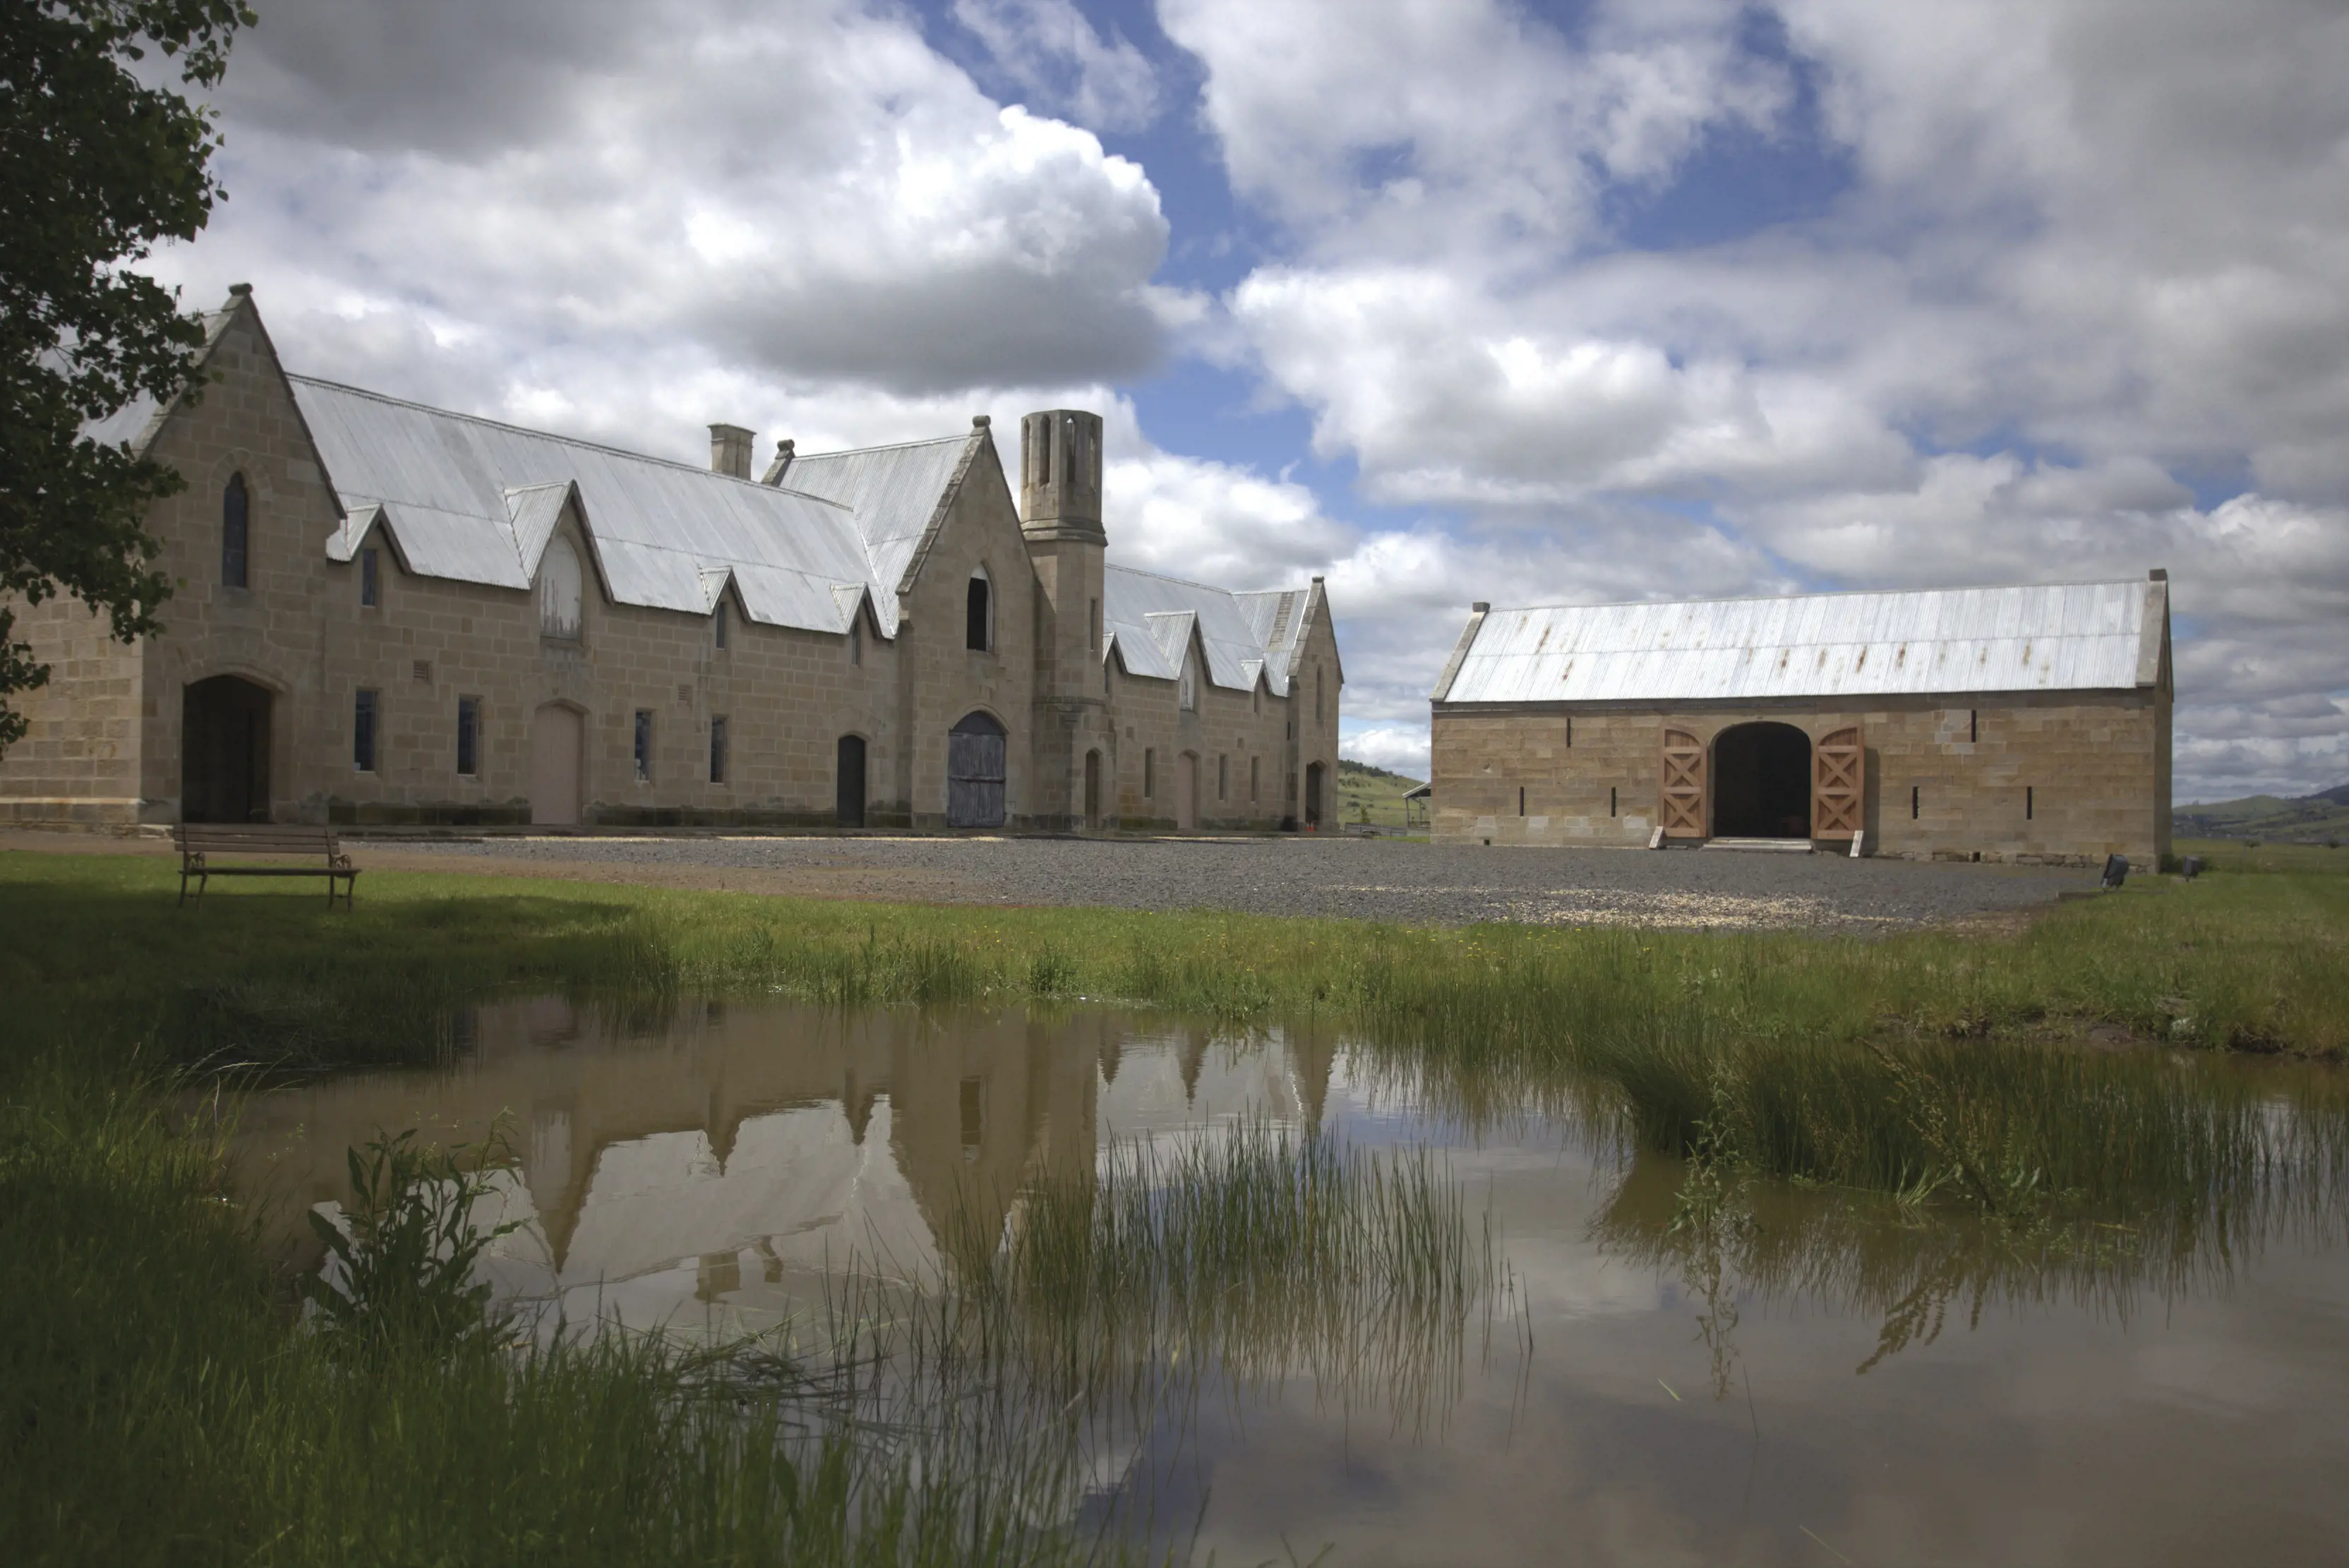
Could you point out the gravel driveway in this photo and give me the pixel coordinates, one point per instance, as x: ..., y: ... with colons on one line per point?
x: 1366, y: 878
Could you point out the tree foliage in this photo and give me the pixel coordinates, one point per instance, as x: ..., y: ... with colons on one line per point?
x: 97, y: 165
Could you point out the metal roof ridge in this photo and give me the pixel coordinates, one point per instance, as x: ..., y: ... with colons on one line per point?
x: 543, y: 435
x: 799, y: 457
x: 1189, y: 583
x: 1822, y: 594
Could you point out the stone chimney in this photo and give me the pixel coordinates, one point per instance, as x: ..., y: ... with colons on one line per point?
x: 729, y: 451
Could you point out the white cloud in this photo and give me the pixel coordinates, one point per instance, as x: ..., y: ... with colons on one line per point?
x: 2088, y: 262
x: 1397, y: 747
x: 807, y: 203
x: 1050, y: 49
x: 2085, y: 254
x: 1462, y: 128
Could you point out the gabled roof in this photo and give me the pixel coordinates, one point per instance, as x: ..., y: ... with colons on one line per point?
x: 476, y: 502
x: 894, y: 492
x: 1151, y: 619
x: 2084, y: 636
x: 135, y: 423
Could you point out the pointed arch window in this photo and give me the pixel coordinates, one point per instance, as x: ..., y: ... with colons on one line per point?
x: 1190, y: 684
x: 978, y: 614
x: 560, y: 586
x: 236, y: 532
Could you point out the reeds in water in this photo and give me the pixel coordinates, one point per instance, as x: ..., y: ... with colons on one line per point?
x: 1258, y: 1249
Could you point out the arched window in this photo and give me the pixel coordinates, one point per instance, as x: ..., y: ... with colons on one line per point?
x: 559, y: 585
x: 978, y: 614
x: 236, y: 532
x: 1190, y: 687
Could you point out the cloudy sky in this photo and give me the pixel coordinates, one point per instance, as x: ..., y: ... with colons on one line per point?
x: 1448, y: 299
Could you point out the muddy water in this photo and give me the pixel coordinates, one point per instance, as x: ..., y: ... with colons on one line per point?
x: 1806, y: 1378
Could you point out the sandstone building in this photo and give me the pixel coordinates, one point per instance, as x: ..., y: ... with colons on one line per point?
x: 2026, y: 724
x: 391, y: 614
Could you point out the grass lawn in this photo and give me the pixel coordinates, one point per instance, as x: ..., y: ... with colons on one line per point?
x: 159, y: 1404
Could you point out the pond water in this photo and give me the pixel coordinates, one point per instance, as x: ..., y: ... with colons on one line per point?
x: 1805, y: 1377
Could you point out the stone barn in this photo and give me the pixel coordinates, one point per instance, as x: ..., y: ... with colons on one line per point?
x: 394, y: 613
x: 2026, y: 724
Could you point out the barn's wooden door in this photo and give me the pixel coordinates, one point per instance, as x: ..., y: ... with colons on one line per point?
x: 1838, y: 784
x: 975, y: 773
x: 848, y: 772
x: 1684, y: 791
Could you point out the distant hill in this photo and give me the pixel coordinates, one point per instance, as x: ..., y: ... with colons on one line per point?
x: 2308, y: 819
x: 1362, y: 788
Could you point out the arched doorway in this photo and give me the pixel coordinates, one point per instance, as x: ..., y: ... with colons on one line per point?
x: 975, y: 752
x: 1092, y: 789
x: 1315, y: 774
x: 554, y: 736
x: 224, y: 751
x: 1186, y: 792
x: 1762, y: 782
x: 848, y: 770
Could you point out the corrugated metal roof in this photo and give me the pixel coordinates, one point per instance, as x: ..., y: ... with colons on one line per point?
x: 476, y: 502
x: 1150, y: 620
x: 893, y: 492
x: 1277, y: 616
x: 2067, y: 637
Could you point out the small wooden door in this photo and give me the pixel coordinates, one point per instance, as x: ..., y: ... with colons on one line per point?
x: 1682, y: 796
x: 554, y: 766
x: 848, y: 803
x: 1186, y: 792
x: 975, y: 752
x: 1838, y: 785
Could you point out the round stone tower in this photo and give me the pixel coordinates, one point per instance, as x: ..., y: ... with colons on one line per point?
x: 1060, y: 518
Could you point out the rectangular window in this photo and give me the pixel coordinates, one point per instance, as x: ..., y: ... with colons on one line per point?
x: 362, y: 733
x: 717, y: 624
x: 856, y: 642
x: 1916, y: 794
x: 1973, y: 724
x: 643, y: 745
x: 1569, y: 731
x: 1149, y: 773
x: 370, y: 582
x: 718, y: 751
x: 1610, y: 799
x: 1521, y: 799
x: 469, y: 736
x: 1222, y: 775
x: 2030, y: 806
x: 1252, y: 775
x: 1092, y: 624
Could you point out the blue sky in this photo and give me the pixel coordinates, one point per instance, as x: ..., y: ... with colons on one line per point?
x: 1443, y: 299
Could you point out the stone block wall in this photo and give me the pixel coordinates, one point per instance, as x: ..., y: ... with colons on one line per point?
x: 77, y: 763
x: 2068, y: 777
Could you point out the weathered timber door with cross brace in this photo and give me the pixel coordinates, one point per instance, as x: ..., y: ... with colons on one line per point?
x: 1681, y: 814
x: 1838, y: 784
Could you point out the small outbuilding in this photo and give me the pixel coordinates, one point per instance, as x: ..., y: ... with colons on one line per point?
x: 2020, y: 724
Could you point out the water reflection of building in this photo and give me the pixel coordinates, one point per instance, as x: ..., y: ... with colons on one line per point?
x: 650, y: 1135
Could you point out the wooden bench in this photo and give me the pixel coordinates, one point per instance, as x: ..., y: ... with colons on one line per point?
x: 202, y: 845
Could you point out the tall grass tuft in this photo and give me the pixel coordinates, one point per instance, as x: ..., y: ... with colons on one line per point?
x: 1258, y: 1249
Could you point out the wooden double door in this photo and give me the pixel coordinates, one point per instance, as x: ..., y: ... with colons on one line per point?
x: 1760, y: 794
